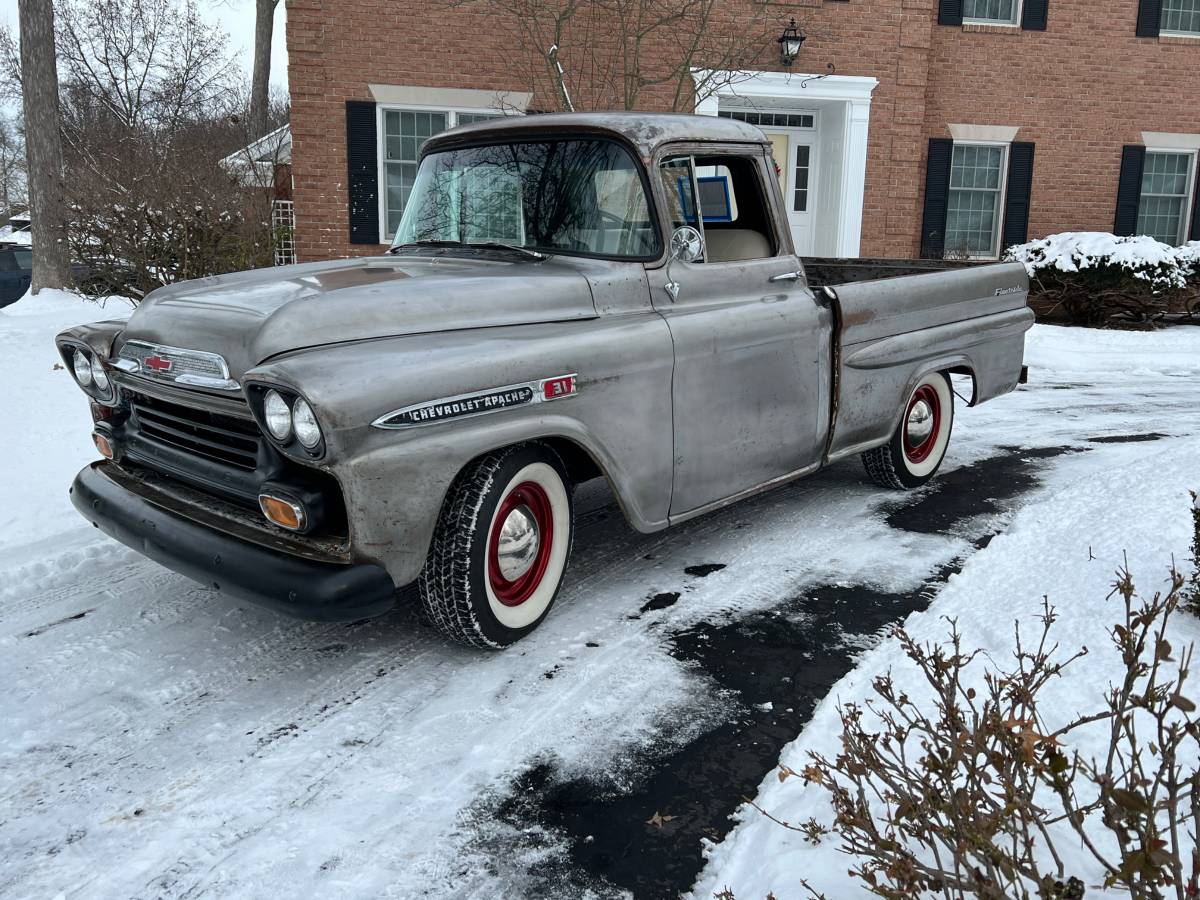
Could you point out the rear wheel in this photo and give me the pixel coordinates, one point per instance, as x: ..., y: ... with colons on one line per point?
x: 501, y: 546
x: 917, y: 449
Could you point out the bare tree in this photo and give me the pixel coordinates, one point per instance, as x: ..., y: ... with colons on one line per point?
x: 147, y: 63
x: 39, y: 78
x: 627, y: 54
x: 260, y: 75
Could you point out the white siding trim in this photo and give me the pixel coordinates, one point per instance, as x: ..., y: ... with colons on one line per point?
x: 1162, y: 140
x: 408, y: 95
x: 985, y: 134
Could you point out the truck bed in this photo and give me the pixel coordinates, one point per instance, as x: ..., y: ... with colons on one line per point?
x: 832, y: 271
x: 898, y: 319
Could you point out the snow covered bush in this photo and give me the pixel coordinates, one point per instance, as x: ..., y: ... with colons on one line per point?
x: 981, y: 794
x: 1095, y: 278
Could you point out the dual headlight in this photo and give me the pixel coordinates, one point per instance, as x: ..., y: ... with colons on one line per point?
x: 89, y: 373
x: 286, y: 420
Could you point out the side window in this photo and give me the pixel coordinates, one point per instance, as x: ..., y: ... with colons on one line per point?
x: 738, y: 224
x: 24, y: 259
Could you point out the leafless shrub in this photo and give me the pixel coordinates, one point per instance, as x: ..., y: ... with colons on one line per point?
x: 975, y: 794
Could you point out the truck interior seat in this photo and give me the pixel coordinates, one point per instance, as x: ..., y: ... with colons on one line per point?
x: 730, y: 244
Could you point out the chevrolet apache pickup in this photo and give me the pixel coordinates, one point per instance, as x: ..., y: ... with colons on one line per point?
x: 567, y: 297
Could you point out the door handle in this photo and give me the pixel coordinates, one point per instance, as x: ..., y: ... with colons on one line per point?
x: 786, y: 276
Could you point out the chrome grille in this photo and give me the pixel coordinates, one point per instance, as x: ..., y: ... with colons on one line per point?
x: 219, y: 438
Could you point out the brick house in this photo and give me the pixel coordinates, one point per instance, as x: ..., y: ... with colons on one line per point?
x: 950, y: 127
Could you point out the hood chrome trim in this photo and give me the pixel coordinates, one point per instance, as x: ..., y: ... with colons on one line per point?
x: 177, y: 365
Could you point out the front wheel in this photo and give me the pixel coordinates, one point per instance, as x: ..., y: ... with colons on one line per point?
x: 500, y: 548
x: 917, y: 449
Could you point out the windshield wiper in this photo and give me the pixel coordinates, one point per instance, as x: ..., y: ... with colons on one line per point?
x: 413, y: 245
x: 496, y: 245
x: 471, y: 245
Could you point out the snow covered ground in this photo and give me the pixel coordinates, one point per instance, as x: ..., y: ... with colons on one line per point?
x: 156, y: 740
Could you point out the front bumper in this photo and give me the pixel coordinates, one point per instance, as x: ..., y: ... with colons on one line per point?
x: 305, y: 588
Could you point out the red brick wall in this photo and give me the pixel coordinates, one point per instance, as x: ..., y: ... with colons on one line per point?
x: 1079, y: 90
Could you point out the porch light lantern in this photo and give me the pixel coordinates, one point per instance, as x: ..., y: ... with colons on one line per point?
x: 790, y: 43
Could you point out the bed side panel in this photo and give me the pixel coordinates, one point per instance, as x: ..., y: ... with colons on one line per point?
x: 897, y: 331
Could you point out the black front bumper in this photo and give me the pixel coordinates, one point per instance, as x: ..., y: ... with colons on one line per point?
x: 305, y: 588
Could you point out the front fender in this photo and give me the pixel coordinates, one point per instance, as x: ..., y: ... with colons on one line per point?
x: 394, y: 481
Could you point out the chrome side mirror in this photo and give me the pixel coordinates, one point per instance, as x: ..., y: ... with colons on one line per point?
x: 687, y: 245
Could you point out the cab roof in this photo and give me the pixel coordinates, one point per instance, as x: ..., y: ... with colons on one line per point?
x: 646, y: 131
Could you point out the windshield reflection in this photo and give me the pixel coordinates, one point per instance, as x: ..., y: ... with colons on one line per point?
x: 568, y: 196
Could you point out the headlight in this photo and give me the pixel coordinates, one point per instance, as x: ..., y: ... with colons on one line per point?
x: 308, y: 432
x: 83, y: 368
x: 278, y: 416
x: 99, y: 375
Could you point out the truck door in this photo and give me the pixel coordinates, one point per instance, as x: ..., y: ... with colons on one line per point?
x: 748, y: 335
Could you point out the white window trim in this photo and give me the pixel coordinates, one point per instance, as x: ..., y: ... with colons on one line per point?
x: 1189, y: 198
x: 452, y: 113
x: 814, y: 112
x: 998, y: 237
x: 1018, y: 8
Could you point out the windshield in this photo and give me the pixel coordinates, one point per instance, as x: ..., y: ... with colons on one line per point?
x: 570, y: 196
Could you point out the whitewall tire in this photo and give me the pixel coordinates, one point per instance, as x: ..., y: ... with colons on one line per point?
x: 915, y: 452
x: 500, y: 548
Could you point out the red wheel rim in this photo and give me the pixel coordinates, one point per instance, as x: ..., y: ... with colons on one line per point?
x: 533, y: 497
x: 917, y: 451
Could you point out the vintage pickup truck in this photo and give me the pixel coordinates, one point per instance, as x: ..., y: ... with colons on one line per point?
x: 567, y: 297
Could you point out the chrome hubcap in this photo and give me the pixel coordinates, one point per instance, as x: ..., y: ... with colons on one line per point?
x: 920, y: 423
x: 518, y: 545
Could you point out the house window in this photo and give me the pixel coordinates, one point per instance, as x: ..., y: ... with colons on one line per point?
x: 1166, y: 188
x: 771, y: 120
x: 992, y: 12
x: 800, y: 198
x: 976, y: 191
x: 1181, y: 16
x: 404, y: 132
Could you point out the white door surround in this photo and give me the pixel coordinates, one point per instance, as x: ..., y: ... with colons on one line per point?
x: 844, y: 102
x: 796, y: 153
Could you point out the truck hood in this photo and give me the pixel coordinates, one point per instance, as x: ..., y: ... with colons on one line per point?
x: 250, y: 317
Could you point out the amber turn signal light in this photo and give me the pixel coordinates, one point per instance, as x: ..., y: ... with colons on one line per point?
x: 103, y: 445
x: 283, y: 513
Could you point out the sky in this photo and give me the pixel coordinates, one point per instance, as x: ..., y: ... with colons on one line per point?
x: 235, y: 16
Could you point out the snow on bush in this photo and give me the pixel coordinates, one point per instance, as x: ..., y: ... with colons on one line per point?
x: 1146, y: 259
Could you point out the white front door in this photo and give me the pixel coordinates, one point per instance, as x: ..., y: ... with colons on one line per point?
x: 795, y: 153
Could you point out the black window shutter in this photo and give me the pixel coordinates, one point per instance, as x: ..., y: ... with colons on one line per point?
x: 1194, y: 234
x: 950, y: 12
x: 362, y: 171
x: 1129, y: 190
x: 1149, y: 18
x: 1034, y: 15
x: 937, y: 198
x: 1020, y: 187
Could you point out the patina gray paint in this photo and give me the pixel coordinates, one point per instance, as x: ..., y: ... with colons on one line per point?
x: 685, y: 405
